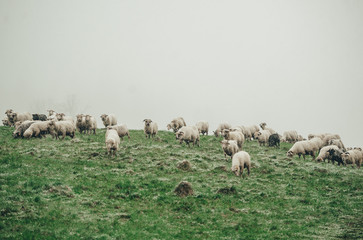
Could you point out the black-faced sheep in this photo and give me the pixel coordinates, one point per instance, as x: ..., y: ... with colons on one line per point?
x: 262, y: 136
x: 229, y: 148
x: 241, y: 160
x: 336, y: 155
x: 39, y: 117
x: 188, y: 134
x: 324, y: 154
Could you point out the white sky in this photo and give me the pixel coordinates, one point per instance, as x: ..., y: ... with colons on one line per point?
x: 296, y: 65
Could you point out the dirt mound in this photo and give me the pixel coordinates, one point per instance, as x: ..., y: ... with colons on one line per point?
x: 184, y: 165
x: 184, y: 189
x: 227, y: 190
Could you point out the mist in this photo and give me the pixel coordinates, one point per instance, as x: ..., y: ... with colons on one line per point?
x: 296, y: 65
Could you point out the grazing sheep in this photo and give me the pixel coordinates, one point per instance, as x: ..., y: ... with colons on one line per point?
x: 317, y: 143
x: 236, y: 136
x: 262, y: 136
x: 91, y: 124
x: 338, y: 143
x: 203, y: 127
x: 220, y: 128
x: 229, y: 148
x: 109, y: 120
x: 6, y: 122
x: 324, y: 154
x: 302, y: 148
x: 353, y: 157
x: 176, y: 124
x: 291, y: 136
x: 52, y: 115
x: 40, y: 117
x: 150, y: 128
x: 37, y: 129
x: 336, y: 155
x: 62, y: 128
x: 240, y: 160
x: 19, y: 131
x: 274, y: 140
x: 246, y: 131
x: 112, y: 141
x: 321, y: 135
x: 188, y: 134
x: 122, y: 131
x: 300, y: 138
x: 81, y: 123
x: 263, y: 127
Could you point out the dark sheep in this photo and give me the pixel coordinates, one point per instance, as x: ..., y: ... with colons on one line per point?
x: 336, y: 156
x: 274, y: 140
x: 40, y: 117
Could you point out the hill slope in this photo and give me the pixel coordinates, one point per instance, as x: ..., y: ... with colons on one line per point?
x: 70, y: 188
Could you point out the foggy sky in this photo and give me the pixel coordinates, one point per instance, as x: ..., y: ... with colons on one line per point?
x: 296, y: 65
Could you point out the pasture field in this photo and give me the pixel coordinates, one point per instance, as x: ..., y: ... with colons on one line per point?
x: 71, y: 189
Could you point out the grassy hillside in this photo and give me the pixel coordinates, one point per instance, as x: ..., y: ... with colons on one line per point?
x: 71, y: 189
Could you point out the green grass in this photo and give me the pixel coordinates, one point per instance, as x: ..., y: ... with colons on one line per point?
x: 71, y: 189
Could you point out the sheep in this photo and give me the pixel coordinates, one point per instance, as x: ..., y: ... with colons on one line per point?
x: 15, y: 117
x: 176, y: 124
x: 6, y: 122
x: 300, y: 138
x: 91, y: 124
x: 337, y: 155
x: 317, y: 142
x: 302, y: 148
x: 19, y: 131
x: 52, y: 115
x: 263, y: 127
x: 338, y: 143
x: 188, y: 134
x: 40, y: 117
x: 262, y: 136
x: 220, y: 128
x: 203, y: 127
x: 112, y: 141
x: 37, y: 129
x: 109, y: 120
x: 274, y: 140
x: 247, y: 132
x: 150, y: 128
x: 229, y: 148
x: 241, y: 160
x: 237, y: 136
x: 324, y: 154
x: 63, y: 117
x: 62, y: 128
x: 321, y: 135
x: 353, y: 157
x: 329, y: 137
x: 122, y: 131
x: 291, y: 136
x: 81, y: 123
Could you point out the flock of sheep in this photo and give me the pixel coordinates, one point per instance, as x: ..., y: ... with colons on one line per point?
x: 328, y: 146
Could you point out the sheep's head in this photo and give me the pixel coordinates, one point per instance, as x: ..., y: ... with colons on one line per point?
x: 59, y: 116
x: 235, y: 170
x: 263, y: 125
x: 13, y: 116
x: 50, y: 112
x: 8, y: 111
x: 168, y: 126
x: 147, y: 122
x: 179, y: 135
x: 225, y: 133
x: 79, y: 117
x: 290, y: 153
x: 103, y: 117
x: 256, y: 135
x: 216, y: 133
x: 5, y: 122
x: 88, y: 118
x: 311, y: 136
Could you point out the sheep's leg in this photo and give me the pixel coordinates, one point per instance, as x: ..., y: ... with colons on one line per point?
x: 241, y: 169
x: 248, y: 169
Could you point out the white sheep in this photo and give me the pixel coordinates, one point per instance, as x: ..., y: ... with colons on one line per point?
x: 262, y: 137
x: 338, y: 143
x: 324, y: 153
x: 229, y: 148
x: 109, y: 120
x: 176, y: 124
x: 19, y: 131
x: 62, y: 128
x: 354, y: 157
x: 6, y: 122
x: 291, y: 136
x: 81, y: 123
x: 37, y: 129
x: 150, y: 128
x: 236, y: 136
x: 19, y: 117
x: 263, y: 127
x: 329, y: 137
x: 91, y: 124
x: 241, y: 160
x: 112, y: 141
x: 221, y: 127
x: 321, y: 135
x: 63, y: 117
x: 188, y: 134
x: 317, y: 142
x: 302, y: 148
x: 203, y: 127
x: 122, y: 131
